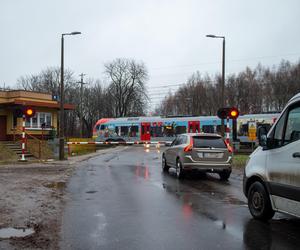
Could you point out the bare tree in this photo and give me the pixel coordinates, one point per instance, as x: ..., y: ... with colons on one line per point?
x: 127, y: 87
x: 251, y: 91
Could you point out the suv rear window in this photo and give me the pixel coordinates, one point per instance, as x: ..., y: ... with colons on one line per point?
x: 208, y: 142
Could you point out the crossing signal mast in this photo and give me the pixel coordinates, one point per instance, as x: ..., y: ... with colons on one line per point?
x: 229, y: 113
x: 28, y: 112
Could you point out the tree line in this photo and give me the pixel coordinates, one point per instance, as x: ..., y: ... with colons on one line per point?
x: 258, y: 90
x: 122, y: 93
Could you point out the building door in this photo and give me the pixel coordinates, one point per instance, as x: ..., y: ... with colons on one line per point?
x: 145, y: 133
x: 194, y: 127
x: 2, y: 128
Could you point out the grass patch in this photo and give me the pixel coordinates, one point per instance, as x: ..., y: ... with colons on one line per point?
x: 239, y: 160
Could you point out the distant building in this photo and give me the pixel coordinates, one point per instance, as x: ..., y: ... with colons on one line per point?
x: 43, y: 123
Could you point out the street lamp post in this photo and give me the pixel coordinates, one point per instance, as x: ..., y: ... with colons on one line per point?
x: 62, y: 98
x: 223, y: 79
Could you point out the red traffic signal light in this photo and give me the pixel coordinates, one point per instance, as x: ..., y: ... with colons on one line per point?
x: 29, y: 112
x: 231, y: 113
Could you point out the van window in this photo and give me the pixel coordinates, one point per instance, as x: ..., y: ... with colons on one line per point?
x: 292, y: 132
x: 277, y: 133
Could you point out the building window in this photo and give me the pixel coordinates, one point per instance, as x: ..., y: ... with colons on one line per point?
x: 39, y: 120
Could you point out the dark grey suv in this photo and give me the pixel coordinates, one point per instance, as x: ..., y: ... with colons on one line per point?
x: 198, y: 151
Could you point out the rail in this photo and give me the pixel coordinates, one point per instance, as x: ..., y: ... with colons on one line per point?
x: 35, y: 139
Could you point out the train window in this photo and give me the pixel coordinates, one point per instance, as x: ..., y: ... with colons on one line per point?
x: 134, y: 131
x: 243, y: 130
x: 159, y: 131
x: 156, y: 131
x: 208, y: 129
x: 124, y: 131
x: 180, y: 130
x: 152, y: 131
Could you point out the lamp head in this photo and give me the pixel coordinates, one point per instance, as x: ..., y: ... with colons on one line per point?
x: 213, y: 36
x: 75, y: 33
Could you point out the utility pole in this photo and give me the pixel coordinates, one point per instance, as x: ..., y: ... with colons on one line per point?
x: 81, y: 104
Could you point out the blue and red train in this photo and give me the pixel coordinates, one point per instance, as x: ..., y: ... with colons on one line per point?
x: 166, y: 128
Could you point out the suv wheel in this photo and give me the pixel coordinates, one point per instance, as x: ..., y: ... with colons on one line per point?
x: 164, y: 164
x: 224, y: 175
x: 179, y: 171
x: 259, y: 203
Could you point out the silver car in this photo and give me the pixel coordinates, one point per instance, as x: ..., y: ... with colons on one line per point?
x: 198, y: 151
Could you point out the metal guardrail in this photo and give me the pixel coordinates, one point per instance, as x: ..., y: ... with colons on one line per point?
x: 39, y: 142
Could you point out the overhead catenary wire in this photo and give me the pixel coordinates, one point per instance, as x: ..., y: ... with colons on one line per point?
x: 229, y: 60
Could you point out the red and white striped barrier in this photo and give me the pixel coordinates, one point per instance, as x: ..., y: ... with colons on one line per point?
x: 227, y: 132
x: 117, y: 142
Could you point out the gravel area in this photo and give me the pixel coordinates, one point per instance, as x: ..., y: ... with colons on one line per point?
x: 32, y: 196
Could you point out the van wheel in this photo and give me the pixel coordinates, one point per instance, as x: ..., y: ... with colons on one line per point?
x: 179, y: 171
x: 224, y: 175
x: 164, y: 164
x: 259, y: 202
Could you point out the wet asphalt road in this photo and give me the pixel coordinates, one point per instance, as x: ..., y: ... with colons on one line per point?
x: 122, y: 200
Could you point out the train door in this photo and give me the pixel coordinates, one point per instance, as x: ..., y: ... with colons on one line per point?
x: 193, y: 126
x: 145, y: 131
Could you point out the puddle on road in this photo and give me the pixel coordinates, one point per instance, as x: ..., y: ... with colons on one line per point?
x: 56, y: 185
x: 6, y: 233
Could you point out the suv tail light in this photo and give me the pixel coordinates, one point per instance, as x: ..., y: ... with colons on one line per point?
x: 190, y: 146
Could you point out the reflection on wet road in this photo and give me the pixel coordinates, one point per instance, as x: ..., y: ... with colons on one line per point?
x: 121, y: 200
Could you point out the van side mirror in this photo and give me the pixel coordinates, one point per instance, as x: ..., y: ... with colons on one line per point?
x: 262, y: 136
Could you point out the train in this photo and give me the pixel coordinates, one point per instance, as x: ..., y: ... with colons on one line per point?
x: 157, y: 128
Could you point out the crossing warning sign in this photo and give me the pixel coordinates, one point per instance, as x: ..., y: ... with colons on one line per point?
x: 252, y: 131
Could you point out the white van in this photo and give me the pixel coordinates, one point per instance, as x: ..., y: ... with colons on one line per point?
x: 272, y: 174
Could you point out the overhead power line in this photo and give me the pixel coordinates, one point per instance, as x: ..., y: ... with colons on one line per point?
x: 232, y: 60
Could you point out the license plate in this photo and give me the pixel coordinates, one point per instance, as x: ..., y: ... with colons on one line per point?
x: 210, y: 155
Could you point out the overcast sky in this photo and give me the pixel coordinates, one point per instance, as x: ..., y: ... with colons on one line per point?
x: 167, y: 35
